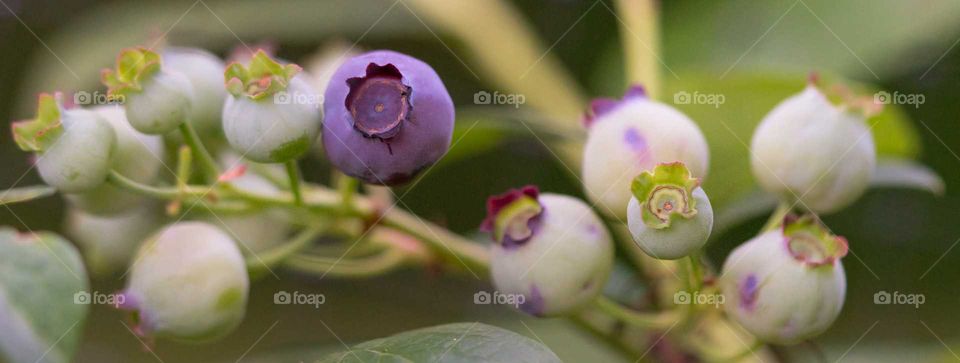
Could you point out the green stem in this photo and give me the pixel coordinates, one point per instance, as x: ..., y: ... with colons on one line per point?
x: 278, y: 254
x: 293, y: 173
x: 358, y: 267
x: 776, y: 219
x: 209, y: 167
x: 657, y: 321
x: 128, y: 184
x: 457, y: 249
x: 640, y: 34
x: 347, y: 187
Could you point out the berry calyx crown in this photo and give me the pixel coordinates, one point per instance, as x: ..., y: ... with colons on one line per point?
x: 511, y: 217
x: 41, y: 132
x: 809, y: 242
x: 134, y: 66
x: 261, y: 78
x: 665, y: 193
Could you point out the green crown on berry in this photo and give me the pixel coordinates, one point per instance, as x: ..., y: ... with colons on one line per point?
x: 665, y: 193
x: 261, y: 78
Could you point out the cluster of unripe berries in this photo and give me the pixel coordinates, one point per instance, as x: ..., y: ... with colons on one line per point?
x: 643, y: 162
x: 385, y: 116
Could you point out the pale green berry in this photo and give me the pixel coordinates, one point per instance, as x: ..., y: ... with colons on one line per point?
x: 669, y: 214
x: 205, y: 73
x: 810, y: 149
x: 108, y: 244
x: 157, y: 99
x: 75, y: 146
x: 272, y: 114
x: 786, y: 285
x: 552, y: 250
x: 263, y: 229
x: 189, y: 283
x: 631, y: 136
x: 137, y: 157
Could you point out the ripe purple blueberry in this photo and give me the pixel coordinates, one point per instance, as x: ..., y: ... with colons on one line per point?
x: 387, y: 116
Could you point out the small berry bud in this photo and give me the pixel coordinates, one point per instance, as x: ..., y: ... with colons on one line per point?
x: 272, y: 114
x: 669, y: 214
x: 787, y: 285
x: 75, y: 145
x: 157, y: 99
x: 138, y: 157
x: 633, y: 135
x: 807, y: 147
x: 188, y: 282
x: 107, y: 253
x: 204, y: 71
x: 388, y: 116
x: 551, y: 249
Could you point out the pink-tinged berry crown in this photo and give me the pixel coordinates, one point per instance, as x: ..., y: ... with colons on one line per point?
x: 512, y: 216
x: 262, y: 77
x: 665, y: 193
x: 41, y: 132
x: 602, y: 106
x: 809, y: 241
x: 134, y: 66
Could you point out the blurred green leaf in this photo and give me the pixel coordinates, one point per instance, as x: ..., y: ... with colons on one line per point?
x: 899, y: 173
x: 461, y: 342
x: 25, y: 194
x: 865, y: 38
x: 39, y: 277
x: 747, y: 99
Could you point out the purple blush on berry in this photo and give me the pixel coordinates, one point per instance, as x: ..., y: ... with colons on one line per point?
x: 387, y: 116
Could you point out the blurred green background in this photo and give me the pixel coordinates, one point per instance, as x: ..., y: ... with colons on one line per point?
x: 755, y: 53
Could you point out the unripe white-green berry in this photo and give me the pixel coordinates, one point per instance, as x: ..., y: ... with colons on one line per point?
x: 138, y: 157
x: 108, y: 244
x: 263, y: 229
x: 157, y: 99
x: 669, y: 215
x: 786, y: 286
x: 204, y: 70
x: 810, y: 149
x: 163, y: 104
x: 552, y: 250
x: 75, y: 146
x: 188, y: 282
x: 270, y: 121
x: 631, y: 136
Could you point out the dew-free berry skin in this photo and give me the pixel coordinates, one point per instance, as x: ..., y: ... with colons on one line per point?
x: 387, y: 117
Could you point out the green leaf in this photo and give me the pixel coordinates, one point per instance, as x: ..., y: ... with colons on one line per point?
x: 729, y: 126
x: 39, y: 277
x: 461, y: 342
x: 865, y: 38
x: 25, y: 194
x: 899, y: 173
